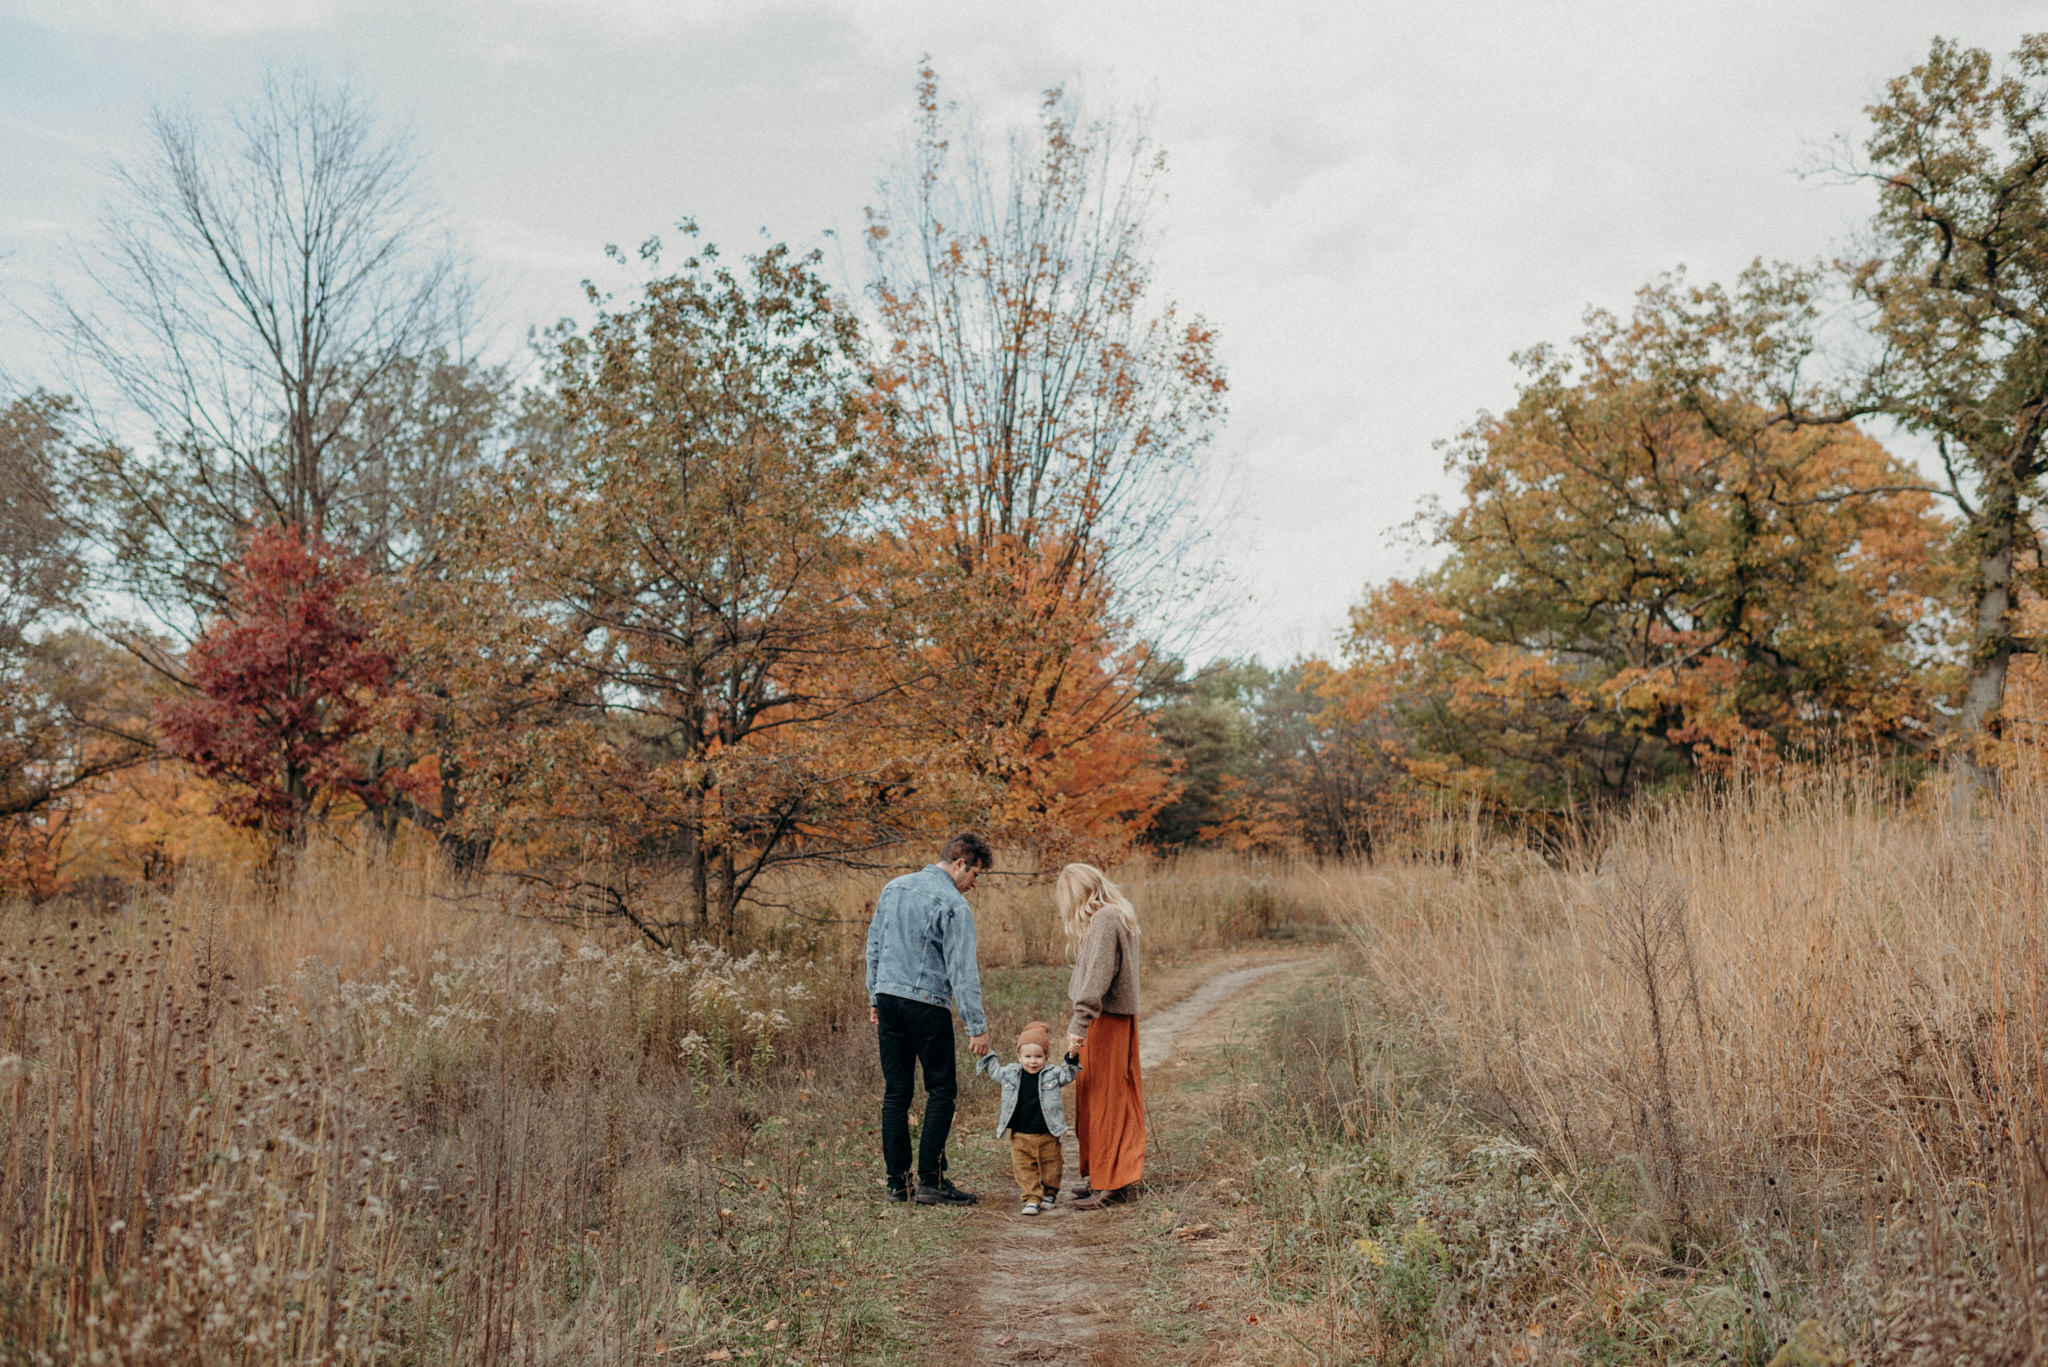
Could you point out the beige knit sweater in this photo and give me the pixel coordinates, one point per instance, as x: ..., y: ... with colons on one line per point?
x: 1105, y: 977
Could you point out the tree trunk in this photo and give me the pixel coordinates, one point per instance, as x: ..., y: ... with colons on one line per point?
x: 1992, y: 645
x: 466, y: 854
x: 465, y: 849
x: 700, y: 890
x: 298, y: 793
x: 727, y: 884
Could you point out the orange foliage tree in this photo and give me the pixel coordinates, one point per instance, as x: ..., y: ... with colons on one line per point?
x: 1649, y: 576
x: 693, y: 523
x: 1052, y: 420
x: 480, y: 688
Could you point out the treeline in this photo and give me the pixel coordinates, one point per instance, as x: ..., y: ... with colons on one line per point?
x: 1681, y: 551
x: 738, y: 571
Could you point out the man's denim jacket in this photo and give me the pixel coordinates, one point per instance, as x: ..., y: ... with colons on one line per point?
x: 1051, y: 1078
x: 921, y: 945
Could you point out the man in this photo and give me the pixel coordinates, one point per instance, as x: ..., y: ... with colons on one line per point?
x: 921, y: 958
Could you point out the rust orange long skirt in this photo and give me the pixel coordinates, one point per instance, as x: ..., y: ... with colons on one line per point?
x: 1109, y: 1105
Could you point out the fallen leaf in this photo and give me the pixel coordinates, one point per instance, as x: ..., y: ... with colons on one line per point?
x: 718, y: 1355
x: 771, y: 1326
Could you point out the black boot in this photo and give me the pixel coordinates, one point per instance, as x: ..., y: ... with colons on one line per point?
x: 944, y: 1194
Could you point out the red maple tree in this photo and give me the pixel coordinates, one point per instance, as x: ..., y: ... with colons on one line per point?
x: 284, y: 680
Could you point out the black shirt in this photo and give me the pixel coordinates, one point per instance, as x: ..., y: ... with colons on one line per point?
x: 1028, y: 1117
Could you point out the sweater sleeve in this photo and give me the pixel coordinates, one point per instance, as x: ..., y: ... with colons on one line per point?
x: 1095, y: 968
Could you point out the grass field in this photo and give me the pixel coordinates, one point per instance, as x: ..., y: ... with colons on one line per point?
x: 1755, y: 1076
x: 368, y: 1121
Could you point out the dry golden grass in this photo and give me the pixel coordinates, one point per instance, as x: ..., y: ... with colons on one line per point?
x: 1806, y: 1019
x: 363, y: 1124
x: 371, y: 1117
x: 1186, y: 903
x: 1770, y: 1062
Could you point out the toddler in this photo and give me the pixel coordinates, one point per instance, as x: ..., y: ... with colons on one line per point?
x: 1032, y: 1113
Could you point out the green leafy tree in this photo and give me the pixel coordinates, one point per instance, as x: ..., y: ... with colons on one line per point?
x: 1271, y: 760
x: 1956, y: 276
x: 1205, y: 724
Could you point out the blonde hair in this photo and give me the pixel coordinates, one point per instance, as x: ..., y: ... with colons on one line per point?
x: 1083, y: 890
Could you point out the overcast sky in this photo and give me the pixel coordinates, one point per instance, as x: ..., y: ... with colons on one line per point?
x: 1375, y: 204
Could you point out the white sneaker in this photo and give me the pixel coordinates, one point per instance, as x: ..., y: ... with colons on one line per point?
x: 1030, y: 1208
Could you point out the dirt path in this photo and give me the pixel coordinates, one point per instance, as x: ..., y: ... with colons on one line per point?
x: 1160, y: 1032
x: 1059, y: 1288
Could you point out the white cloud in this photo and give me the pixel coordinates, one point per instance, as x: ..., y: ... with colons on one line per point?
x: 209, y: 18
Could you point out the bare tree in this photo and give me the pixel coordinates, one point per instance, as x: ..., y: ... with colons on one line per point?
x: 1056, y: 419
x: 1056, y: 407
x: 260, y: 288
x: 420, y: 436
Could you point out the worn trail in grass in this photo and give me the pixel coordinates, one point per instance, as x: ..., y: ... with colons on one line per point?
x: 1072, y: 1286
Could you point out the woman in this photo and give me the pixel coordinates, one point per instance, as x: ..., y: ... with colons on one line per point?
x: 1109, y: 1097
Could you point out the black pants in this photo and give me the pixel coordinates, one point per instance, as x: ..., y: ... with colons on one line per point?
x: 911, y: 1033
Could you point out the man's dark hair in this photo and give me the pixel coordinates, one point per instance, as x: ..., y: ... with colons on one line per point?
x: 971, y: 847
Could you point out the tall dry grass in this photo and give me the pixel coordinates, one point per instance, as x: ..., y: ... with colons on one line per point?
x: 1806, y: 1021
x: 357, y: 1124
x: 1186, y: 903
x: 369, y: 1116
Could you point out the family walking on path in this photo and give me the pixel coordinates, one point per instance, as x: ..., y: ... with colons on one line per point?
x: 921, y: 960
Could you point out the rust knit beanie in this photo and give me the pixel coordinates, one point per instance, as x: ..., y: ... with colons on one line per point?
x: 1038, y: 1033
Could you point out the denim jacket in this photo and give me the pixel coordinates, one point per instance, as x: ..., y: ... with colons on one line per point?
x: 921, y: 945
x: 1051, y: 1078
